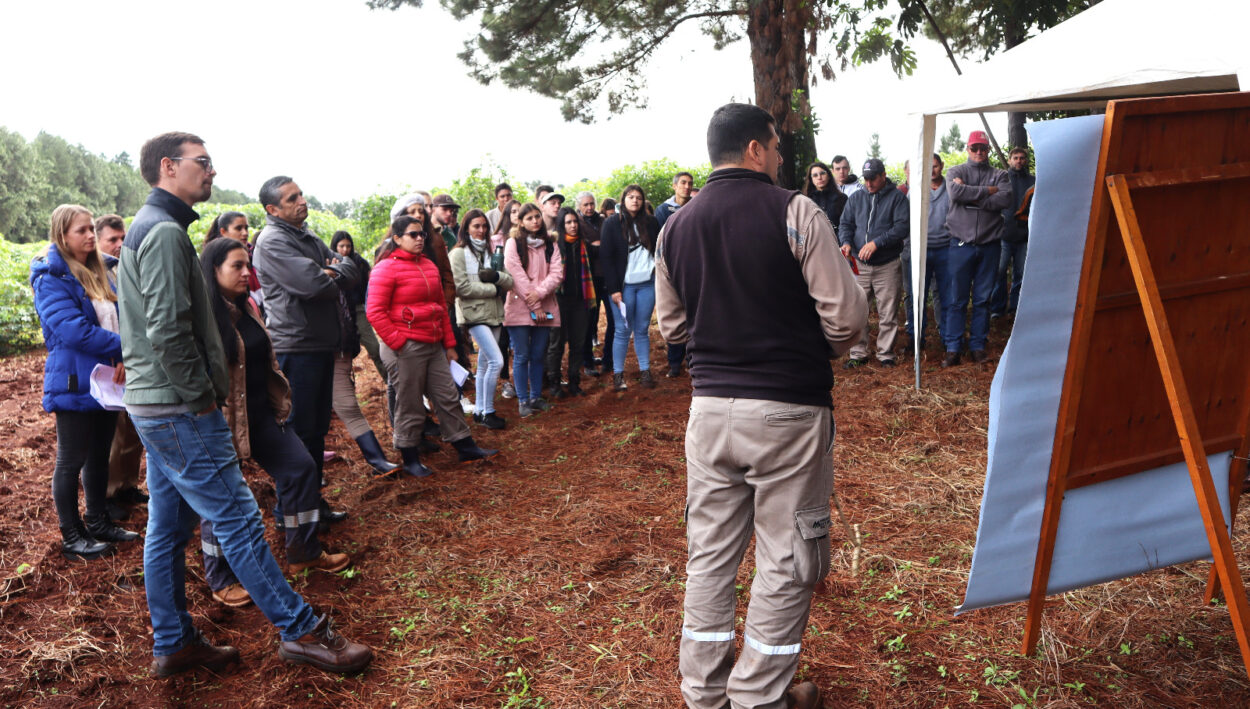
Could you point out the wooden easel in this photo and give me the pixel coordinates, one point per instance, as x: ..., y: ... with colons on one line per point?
x: 1190, y: 155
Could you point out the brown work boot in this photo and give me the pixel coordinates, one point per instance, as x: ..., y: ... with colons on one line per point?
x: 197, y: 653
x: 326, y: 650
x: 803, y: 696
x: 233, y: 595
x: 327, y: 562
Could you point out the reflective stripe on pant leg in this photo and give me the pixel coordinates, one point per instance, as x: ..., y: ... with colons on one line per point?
x: 765, y: 649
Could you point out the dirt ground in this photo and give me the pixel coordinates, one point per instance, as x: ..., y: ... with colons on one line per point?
x: 551, y: 576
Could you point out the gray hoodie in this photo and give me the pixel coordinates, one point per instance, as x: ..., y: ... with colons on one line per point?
x: 939, y: 207
x: 976, y: 216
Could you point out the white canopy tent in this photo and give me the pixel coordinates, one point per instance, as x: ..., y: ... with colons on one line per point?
x: 1114, y: 50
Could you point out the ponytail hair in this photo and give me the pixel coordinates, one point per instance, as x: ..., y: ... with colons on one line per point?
x: 223, y: 219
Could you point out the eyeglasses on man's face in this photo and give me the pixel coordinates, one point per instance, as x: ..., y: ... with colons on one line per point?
x: 204, y: 161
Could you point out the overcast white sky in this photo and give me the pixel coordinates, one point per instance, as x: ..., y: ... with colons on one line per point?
x: 351, y: 101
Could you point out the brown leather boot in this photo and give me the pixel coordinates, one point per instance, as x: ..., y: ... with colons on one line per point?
x: 234, y: 596
x: 327, y: 562
x: 197, y: 653
x: 327, y: 650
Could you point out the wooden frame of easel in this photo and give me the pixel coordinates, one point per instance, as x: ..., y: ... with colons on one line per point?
x: 1148, y: 295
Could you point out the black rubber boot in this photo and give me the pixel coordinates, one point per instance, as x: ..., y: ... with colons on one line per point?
x: 371, y: 449
x: 102, y: 529
x: 469, y: 450
x: 77, y: 544
x: 412, y: 463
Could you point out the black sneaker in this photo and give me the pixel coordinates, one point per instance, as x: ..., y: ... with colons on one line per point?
x: 888, y: 363
x: 491, y: 421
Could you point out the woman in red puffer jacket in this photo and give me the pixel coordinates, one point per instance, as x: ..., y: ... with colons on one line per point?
x: 407, y: 309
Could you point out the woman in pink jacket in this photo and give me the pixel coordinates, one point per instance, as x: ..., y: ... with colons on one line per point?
x: 530, y: 310
x: 406, y: 307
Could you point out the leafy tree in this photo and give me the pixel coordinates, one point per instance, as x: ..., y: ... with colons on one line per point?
x: 222, y: 195
x: 953, y: 141
x: 655, y: 177
x: 592, y: 54
x: 874, y: 146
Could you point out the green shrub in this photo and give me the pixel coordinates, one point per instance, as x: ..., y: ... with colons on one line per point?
x: 19, y: 326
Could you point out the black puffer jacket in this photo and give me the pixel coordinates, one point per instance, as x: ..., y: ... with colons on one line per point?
x: 831, y: 202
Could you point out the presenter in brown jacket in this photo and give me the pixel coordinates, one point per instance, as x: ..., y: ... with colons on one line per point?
x: 749, y: 275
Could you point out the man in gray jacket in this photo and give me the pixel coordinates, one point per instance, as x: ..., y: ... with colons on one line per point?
x: 176, y: 377
x: 978, y: 194
x: 301, y: 278
x: 874, y: 227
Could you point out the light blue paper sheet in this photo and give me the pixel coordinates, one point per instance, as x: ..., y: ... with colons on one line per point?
x: 1106, y: 531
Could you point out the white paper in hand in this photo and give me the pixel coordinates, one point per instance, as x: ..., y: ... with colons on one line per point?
x: 104, y: 390
x: 458, y: 373
x: 621, y: 306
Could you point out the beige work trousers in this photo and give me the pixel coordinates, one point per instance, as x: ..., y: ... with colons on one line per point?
x: 124, y: 456
x: 421, y: 369
x: 885, y: 282
x: 763, y: 467
x: 346, y: 406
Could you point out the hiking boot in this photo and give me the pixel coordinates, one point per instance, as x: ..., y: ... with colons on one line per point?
x: 77, y: 544
x: 412, y: 463
x: 978, y: 356
x: 234, y: 596
x: 645, y: 380
x: 509, y: 391
x: 330, y: 563
x: 491, y: 420
x: 371, y: 449
x: 102, y: 529
x: 326, y: 650
x: 855, y: 362
x: 803, y: 696
x: 197, y: 653
x: 618, y: 381
x: 950, y: 360
x: 469, y: 450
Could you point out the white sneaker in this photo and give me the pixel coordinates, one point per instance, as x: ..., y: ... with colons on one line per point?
x: 509, y: 391
x: 466, y: 405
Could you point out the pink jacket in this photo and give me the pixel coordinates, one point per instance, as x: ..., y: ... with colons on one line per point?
x: 542, y: 277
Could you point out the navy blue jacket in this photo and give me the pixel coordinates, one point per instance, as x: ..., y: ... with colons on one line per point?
x: 76, y: 343
x: 883, y: 216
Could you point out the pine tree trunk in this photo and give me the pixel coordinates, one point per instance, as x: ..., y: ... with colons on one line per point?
x: 1017, y: 136
x: 777, y: 30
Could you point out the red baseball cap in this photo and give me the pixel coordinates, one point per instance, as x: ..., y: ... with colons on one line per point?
x: 978, y: 137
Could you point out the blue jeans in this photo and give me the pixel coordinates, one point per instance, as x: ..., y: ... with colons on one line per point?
x: 639, y: 304
x: 1003, y: 300
x: 529, y: 347
x: 489, y: 362
x: 193, y: 470
x: 970, y: 267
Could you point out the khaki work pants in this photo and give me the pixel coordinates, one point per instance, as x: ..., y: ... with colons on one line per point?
x: 886, y: 283
x: 124, y: 456
x: 763, y: 467
x: 420, y: 369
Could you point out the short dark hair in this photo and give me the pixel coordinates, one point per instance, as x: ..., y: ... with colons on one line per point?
x: 837, y: 159
x: 733, y: 127
x: 501, y: 187
x: 682, y: 174
x: 544, y: 188
x: 271, y: 191
x: 165, y: 145
x: 1017, y: 150
x: 112, y: 221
